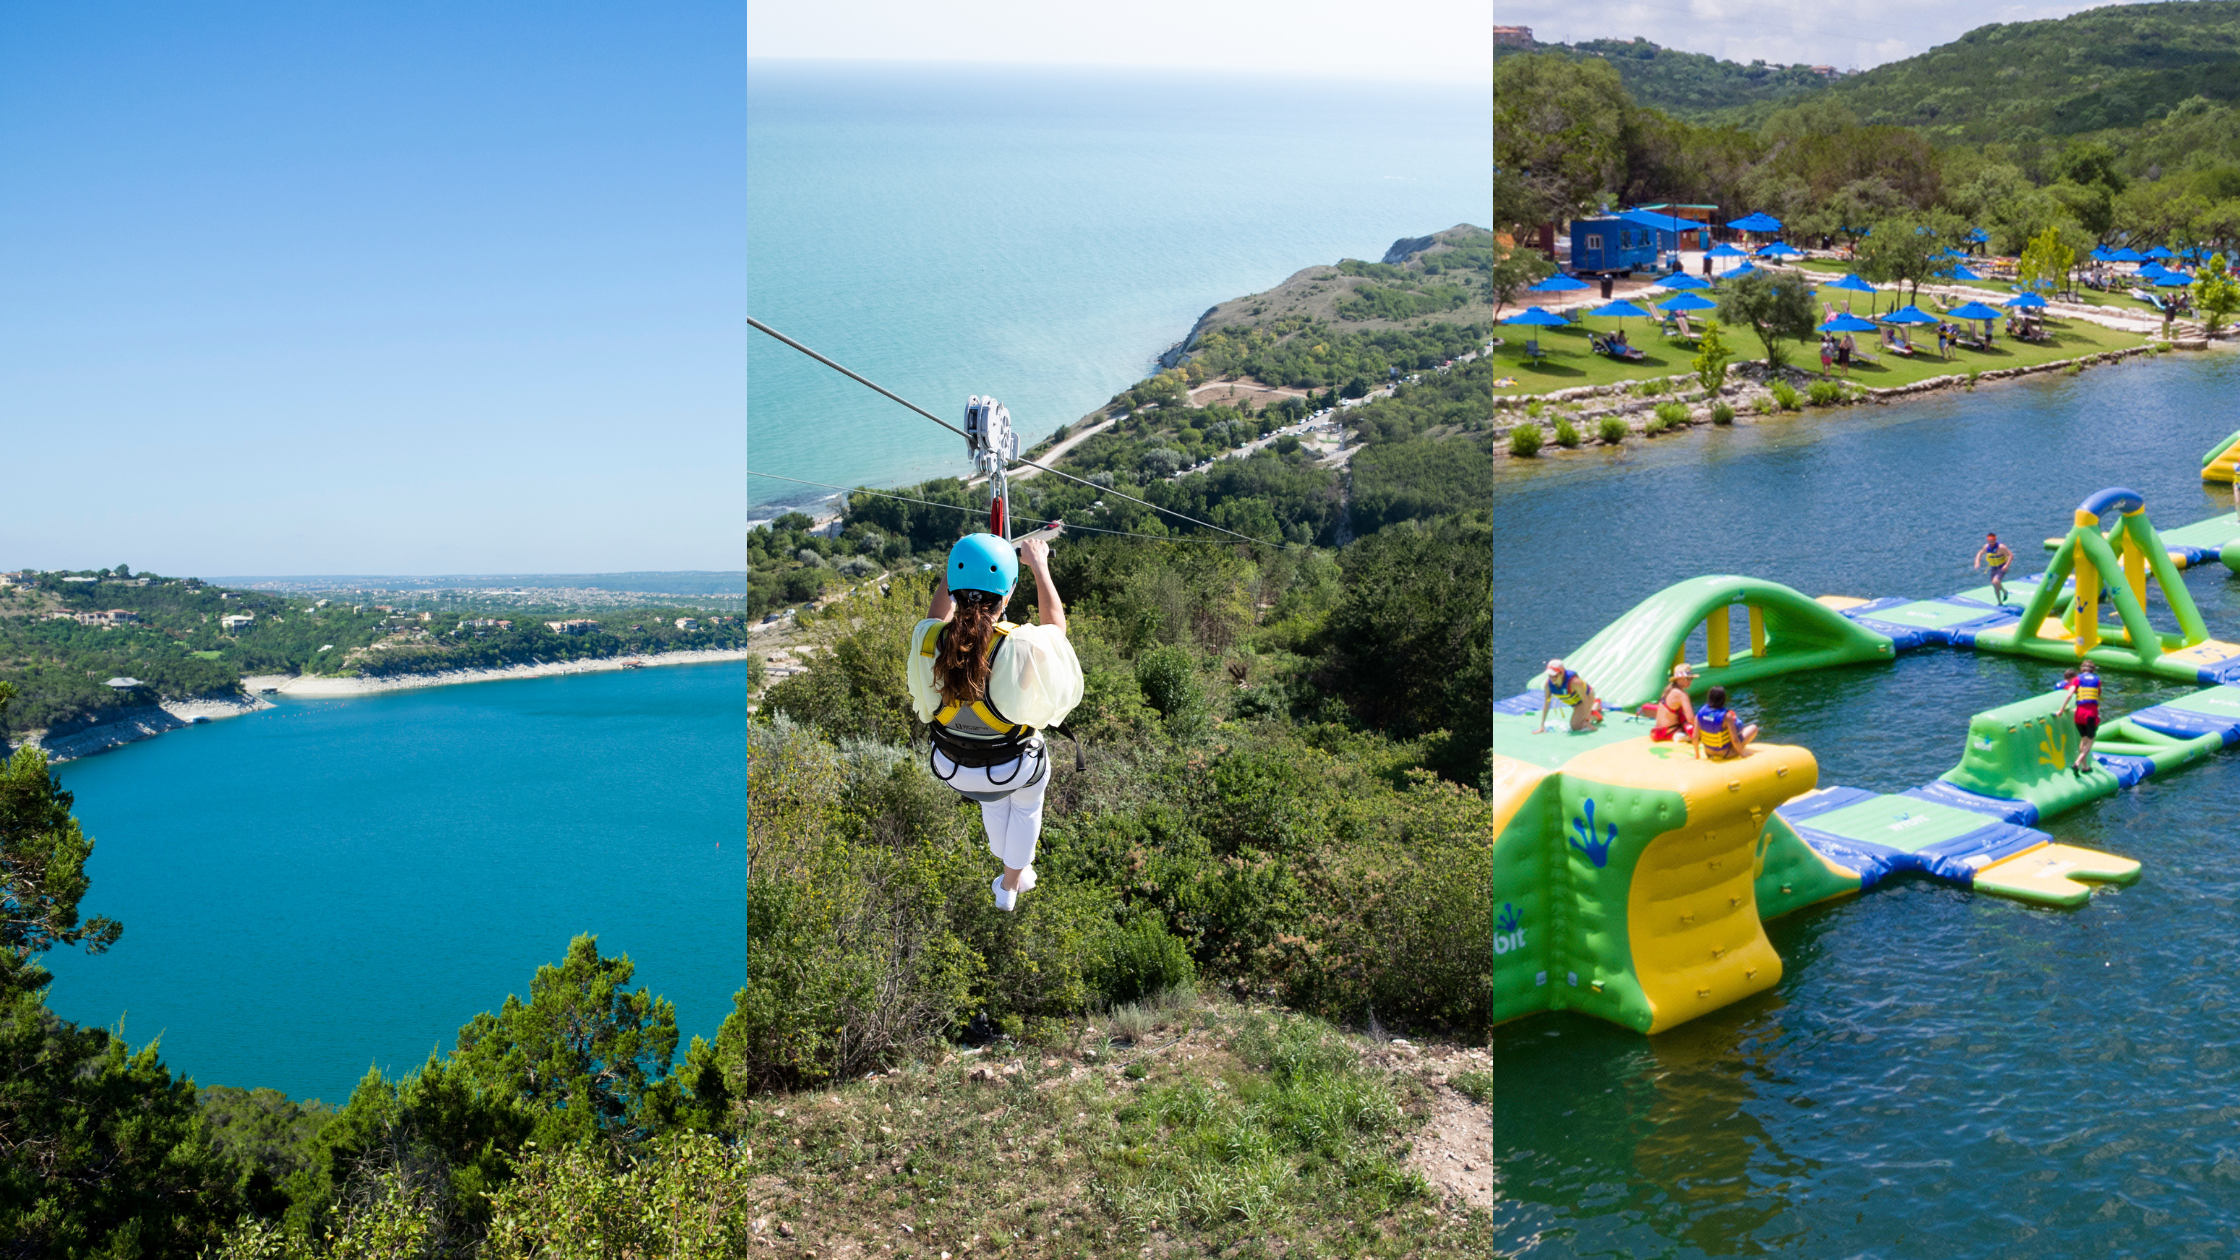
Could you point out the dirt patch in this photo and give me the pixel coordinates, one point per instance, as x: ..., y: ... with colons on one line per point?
x: 1454, y: 1149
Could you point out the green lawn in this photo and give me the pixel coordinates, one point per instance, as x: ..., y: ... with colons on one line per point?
x: 1566, y: 361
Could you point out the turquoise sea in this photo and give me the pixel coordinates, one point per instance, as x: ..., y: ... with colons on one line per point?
x: 1042, y: 234
x: 1938, y: 1073
x: 333, y: 884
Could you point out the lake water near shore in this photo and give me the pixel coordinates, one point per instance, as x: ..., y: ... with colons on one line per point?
x: 323, y: 885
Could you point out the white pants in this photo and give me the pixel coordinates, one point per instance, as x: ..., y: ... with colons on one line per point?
x: 1012, y: 814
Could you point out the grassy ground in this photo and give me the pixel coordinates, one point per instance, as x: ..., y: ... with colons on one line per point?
x: 1567, y: 361
x: 1186, y: 1127
x: 2087, y: 297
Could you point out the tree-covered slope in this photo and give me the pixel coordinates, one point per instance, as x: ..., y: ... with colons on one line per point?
x: 1695, y: 85
x: 2118, y: 66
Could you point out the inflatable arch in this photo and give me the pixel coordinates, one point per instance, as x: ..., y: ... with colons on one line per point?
x: 1629, y: 662
x: 2218, y: 464
x: 2115, y: 566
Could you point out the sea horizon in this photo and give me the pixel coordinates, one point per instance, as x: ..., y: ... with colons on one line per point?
x: 887, y: 206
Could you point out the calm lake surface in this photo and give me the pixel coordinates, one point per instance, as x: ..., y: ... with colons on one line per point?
x: 337, y: 883
x: 1938, y: 1074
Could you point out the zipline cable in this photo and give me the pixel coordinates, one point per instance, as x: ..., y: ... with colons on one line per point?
x: 766, y: 329
x: 958, y: 507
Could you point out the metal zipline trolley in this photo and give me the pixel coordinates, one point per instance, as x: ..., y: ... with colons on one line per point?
x: 994, y: 447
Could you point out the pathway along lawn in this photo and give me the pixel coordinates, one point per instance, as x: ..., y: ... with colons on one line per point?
x: 1566, y: 361
x: 2085, y: 297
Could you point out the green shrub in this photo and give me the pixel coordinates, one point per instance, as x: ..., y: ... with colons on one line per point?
x: 1674, y: 415
x: 1169, y: 679
x: 1825, y: 393
x: 2073, y: 369
x: 1475, y: 1086
x: 1535, y: 408
x: 1524, y: 441
x: 1567, y: 433
x: 1653, y: 426
x: 1145, y: 960
x: 1785, y: 396
x: 1974, y: 375
x: 1613, y: 430
x: 1721, y: 413
x: 1766, y: 406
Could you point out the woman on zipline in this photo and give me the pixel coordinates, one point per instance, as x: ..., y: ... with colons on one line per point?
x: 987, y: 687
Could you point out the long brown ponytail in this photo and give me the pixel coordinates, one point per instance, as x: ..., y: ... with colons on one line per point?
x: 962, y: 665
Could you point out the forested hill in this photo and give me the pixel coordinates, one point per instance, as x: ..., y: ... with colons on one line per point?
x: 2014, y: 83
x: 1695, y: 86
x: 2119, y: 66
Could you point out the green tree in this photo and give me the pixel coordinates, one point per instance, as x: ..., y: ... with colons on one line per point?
x: 2047, y: 259
x: 1409, y: 648
x: 1775, y: 305
x: 1905, y: 249
x: 2215, y: 294
x: 585, y: 1054
x: 1712, y: 357
x: 43, y: 854
x: 1559, y: 136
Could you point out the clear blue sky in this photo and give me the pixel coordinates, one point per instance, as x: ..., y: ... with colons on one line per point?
x: 373, y: 288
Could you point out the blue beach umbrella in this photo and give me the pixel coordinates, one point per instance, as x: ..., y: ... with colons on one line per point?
x: 1848, y: 323
x: 2160, y: 251
x: 1621, y: 310
x: 2172, y: 280
x: 1534, y: 317
x: 2100, y: 254
x: 2026, y: 301
x: 2127, y: 255
x: 1961, y: 273
x: 1909, y: 315
x: 1780, y: 250
x: 1978, y: 235
x: 1975, y: 310
x: 1725, y: 250
x: 1681, y: 281
x: 1687, y: 302
x: 1851, y: 284
x: 1557, y: 283
x: 1743, y: 270
x: 1760, y: 222
x: 2154, y: 271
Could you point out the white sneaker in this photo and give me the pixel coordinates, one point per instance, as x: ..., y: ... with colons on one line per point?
x: 1005, y: 898
x: 1026, y: 879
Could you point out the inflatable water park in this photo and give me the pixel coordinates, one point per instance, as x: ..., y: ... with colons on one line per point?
x: 1633, y: 876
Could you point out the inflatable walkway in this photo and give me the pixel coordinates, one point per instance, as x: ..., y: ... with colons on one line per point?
x: 2218, y: 464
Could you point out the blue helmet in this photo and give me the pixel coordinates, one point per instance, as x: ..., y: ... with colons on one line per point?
x: 983, y: 562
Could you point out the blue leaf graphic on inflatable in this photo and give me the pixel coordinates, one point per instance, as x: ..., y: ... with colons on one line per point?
x: 1597, y: 848
x: 1508, y: 921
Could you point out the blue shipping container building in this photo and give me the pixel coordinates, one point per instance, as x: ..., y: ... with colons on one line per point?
x: 1636, y: 240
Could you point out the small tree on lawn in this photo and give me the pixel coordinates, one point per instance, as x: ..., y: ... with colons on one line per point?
x: 2215, y: 294
x: 1774, y: 305
x: 1712, y: 357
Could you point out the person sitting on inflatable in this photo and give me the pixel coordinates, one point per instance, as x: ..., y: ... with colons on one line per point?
x: 1566, y: 685
x: 984, y: 686
x: 1719, y: 735
x: 1676, y: 715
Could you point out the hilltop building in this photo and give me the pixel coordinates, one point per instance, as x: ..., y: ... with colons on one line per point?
x: 1512, y: 37
x: 577, y: 625
x: 237, y: 621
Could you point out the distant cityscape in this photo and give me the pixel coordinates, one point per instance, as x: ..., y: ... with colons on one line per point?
x: 525, y: 591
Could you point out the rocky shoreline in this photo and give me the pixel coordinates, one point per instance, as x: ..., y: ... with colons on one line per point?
x: 148, y: 721
x: 1748, y: 386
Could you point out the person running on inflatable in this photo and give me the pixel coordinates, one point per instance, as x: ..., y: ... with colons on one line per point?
x: 1719, y: 734
x: 1566, y: 686
x: 2083, y: 683
x: 987, y: 687
x: 1998, y: 555
x: 1676, y: 714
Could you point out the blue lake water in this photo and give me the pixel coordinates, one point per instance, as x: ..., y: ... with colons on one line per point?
x: 1938, y: 1074
x: 336, y: 883
x: 1041, y: 235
